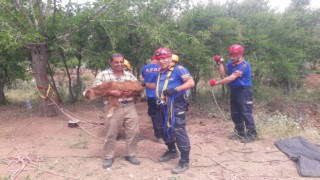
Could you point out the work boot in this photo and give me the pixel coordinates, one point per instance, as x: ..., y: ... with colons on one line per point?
x: 236, y: 136
x: 181, y: 167
x: 250, y: 137
x: 107, y: 163
x: 168, y: 155
x: 132, y: 160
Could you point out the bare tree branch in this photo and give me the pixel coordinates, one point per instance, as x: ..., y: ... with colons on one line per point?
x: 48, y: 9
x: 41, y: 18
x: 26, y: 17
x: 34, y: 15
x: 85, y: 23
x: 54, y: 13
x: 67, y: 11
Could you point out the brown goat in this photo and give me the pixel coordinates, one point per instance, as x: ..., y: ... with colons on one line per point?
x: 103, y: 90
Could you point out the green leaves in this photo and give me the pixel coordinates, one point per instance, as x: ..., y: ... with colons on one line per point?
x: 277, y: 44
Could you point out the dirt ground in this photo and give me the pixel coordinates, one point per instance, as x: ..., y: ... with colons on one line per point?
x: 34, y: 147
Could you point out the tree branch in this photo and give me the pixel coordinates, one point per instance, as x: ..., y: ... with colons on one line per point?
x: 85, y: 23
x: 54, y: 13
x: 67, y: 11
x: 41, y: 18
x: 20, y: 24
x: 20, y: 7
x: 33, y: 14
x: 48, y: 8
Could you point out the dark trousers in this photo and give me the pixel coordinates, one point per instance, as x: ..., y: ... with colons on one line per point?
x: 152, y: 112
x: 179, y: 134
x: 241, y: 106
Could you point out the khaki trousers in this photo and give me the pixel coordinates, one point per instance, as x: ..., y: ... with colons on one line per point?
x: 125, y: 115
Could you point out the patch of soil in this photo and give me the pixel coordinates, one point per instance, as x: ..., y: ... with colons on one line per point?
x: 308, y: 113
x: 312, y: 81
x: 46, y: 148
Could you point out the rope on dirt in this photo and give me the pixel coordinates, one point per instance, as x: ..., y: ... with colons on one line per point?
x: 225, y: 118
x: 73, y: 118
x: 215, y: 100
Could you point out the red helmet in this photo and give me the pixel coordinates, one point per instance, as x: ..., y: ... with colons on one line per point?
x: 162, y: 53
x: 217, y: 58
x: 235, y: 50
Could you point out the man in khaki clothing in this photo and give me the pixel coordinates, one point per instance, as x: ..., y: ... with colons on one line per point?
x: 124, y: 115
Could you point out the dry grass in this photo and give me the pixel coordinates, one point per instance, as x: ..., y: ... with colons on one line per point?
x: 277, y: 115
x: 278, y: 125
x: 20, y: 93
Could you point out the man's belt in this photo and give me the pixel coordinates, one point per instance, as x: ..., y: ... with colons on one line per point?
x: 125, y: 101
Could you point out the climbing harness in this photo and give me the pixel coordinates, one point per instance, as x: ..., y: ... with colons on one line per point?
x: 166, y: 104
x: 186, y: 97
x: 159, y: 102
x: 161, y: 97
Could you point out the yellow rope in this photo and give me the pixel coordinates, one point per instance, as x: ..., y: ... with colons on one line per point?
x: 47, y: 93
x: 166, y: 82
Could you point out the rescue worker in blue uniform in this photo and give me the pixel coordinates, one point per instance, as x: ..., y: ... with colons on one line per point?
x: 172, y: 83
x: 149, y: 74
x: 241, y: 97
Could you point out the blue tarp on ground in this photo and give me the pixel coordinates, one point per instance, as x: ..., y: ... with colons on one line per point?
x: 305, y: 154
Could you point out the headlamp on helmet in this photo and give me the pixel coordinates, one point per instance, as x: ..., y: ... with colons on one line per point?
x: 162, y: 53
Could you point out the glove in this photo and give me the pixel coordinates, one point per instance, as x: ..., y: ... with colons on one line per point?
x: 170, y: 91
x: 218, y: 59
x: 212, y: 82
x: 143, y: 83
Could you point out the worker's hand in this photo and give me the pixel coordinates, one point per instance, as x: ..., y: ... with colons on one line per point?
x: 143, y: 83
x: 212, y: 82
x: 170, y: 91
x: 218, y: 59
x: 129, y: 93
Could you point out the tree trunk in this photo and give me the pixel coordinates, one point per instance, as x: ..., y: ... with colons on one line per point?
x: 40, y: 56
x: 54, y: 84
x: 2, y: 97
x: 64, y: 60
x: 78, y: 86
